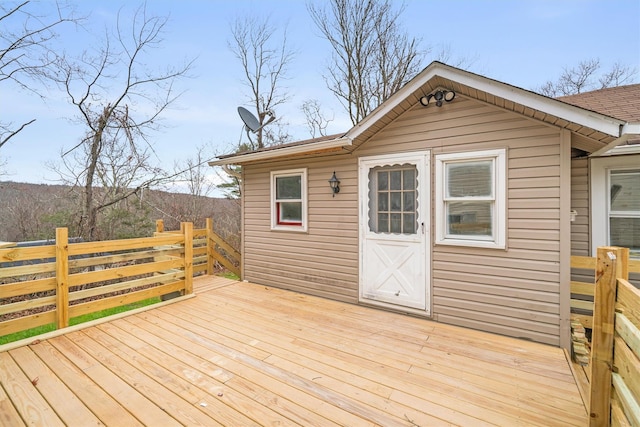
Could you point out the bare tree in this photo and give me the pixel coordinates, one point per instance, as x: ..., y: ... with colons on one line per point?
x: 120, y: 101
x: 33, y: 211
x: 372, y: 57
x: 445, y: 54
x: 264, y: 63
x: 316, y: 121
x: 584, y: 77
x: 26, y: 51
x: 195, y: 174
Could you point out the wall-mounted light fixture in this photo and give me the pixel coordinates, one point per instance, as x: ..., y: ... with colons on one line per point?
x: 334, y: 182
x: 438, y: 97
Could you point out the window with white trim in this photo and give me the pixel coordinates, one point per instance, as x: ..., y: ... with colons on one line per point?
x: 471, y: 199
x: 616, y: 203
x: 289, y: 200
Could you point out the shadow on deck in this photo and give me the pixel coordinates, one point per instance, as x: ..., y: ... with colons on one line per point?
x: 241, y: 354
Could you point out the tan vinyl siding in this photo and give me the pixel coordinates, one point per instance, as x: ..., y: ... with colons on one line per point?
x: 513, y: 292
x: 580, y: 202
x: 323, y: 261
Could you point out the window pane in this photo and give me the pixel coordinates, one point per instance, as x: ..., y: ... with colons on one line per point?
x: 409, y: 179
x: 383, y: 180
x: 396, y: 201
x: 470, y: 179
x: 396, y: 223
x: 469, y: 218
x: 383, y: 201
x: 289, y: 187
x: 383, y: 223
x: 625, y: 191
x: 409, y: 198
x: 409, y: 224
x: 625, y: 232
x: 290, y: 211
x: 395, y: 177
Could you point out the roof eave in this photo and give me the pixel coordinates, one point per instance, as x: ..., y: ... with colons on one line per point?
x: 629, y: 131
x: 562, y: 110
x: 253, y: 156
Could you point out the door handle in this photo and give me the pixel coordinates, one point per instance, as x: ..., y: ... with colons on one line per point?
x: 422, y: 225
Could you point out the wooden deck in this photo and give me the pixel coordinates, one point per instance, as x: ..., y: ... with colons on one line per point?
x: 240, y: 354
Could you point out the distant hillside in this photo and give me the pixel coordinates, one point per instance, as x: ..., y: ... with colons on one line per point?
x: 33, y: 211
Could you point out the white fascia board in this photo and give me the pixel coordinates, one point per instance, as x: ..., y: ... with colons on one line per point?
x: 571, y: 113
x: 282, y: 152
x: 629, y: 131
x: 631, y: 128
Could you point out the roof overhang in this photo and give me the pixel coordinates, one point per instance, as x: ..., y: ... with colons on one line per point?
x: 282, y: 151
x: 599, y: 127
x: 628, y: 143
x: 604, y: 131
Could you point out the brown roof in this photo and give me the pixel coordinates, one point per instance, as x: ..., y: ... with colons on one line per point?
x: 286, y: 145
x: 621, y: 102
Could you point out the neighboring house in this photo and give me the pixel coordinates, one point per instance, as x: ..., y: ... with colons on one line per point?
x: 465, y: 211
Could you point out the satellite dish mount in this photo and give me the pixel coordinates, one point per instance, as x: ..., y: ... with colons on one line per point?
x: 251, y: 123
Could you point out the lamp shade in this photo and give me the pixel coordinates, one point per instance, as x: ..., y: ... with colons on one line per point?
x: 334, y: 182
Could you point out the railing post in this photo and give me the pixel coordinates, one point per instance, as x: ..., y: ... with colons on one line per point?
x: 210, y: 246
x: 159, y: 226
x: 187, y: 230
x: 612, y: 263
x: 62, y: 278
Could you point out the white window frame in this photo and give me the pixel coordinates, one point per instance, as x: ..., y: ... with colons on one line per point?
x: 499, y: 225
x: 600, y: 195
x: 303, y: 193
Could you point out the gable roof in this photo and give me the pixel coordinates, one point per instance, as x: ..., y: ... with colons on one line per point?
x: 596, y: 131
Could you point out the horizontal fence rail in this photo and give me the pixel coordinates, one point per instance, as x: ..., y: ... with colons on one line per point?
x: 582, y: 292
x: 209, y: 248
x: 50, y: 284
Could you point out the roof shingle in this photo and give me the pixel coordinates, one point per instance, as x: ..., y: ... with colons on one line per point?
x: 621, y: 102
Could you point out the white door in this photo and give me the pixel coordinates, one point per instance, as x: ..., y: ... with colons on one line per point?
x: 394, y: 230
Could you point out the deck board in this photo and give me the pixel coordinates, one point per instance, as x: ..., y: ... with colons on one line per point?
x: 244, y: 354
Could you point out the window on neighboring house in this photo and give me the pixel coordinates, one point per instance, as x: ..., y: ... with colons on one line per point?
x: 470, y: 199
x: 616, y: 203
x: 624, y: 209
x: 289, y: 200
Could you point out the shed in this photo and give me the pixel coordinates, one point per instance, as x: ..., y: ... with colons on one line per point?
x: 461, y: 199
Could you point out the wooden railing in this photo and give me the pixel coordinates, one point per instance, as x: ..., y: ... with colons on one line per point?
x: 582, y: 293
x: 614, y: 389
x: 41, y: 285
x: 52, y: 283
x: 209, y: 248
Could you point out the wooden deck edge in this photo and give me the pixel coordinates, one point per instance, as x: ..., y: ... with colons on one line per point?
x: 580, y: 378
x: 58, y: 332
x: 216, y: 283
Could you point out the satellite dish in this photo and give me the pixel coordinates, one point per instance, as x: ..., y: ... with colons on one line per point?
x: 250, y: 121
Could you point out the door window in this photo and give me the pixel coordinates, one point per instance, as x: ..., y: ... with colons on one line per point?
x: 392, y: 199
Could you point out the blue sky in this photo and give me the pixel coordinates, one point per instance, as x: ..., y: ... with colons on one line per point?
x: 520, y: 42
